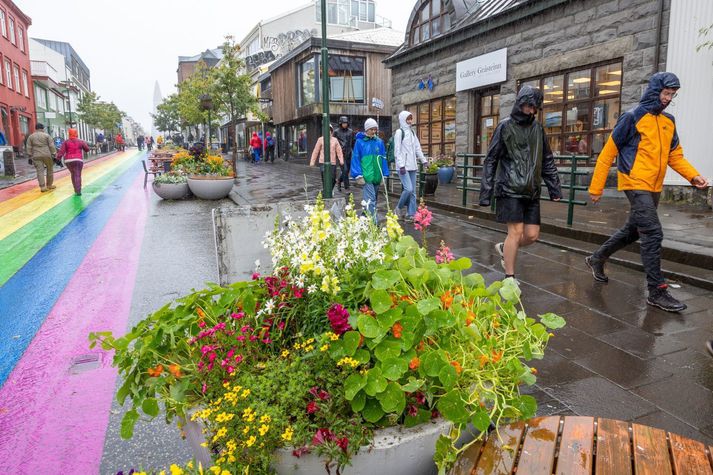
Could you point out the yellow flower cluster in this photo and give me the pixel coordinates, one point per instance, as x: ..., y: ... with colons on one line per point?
x: 330, y: 284
x: 311, y: 263
x: 307, y: 345
x: 287, y: 435
x: 393, y: 228
x: 332, y: 336
x: 216, y: 470
x: 220, y: 434
x: 224, y: 417
x: 248, y: 415
x: 348, y: 361
x: 204, y: 414
x: 320, y: 222
x: 324, y: 348
x: 285, y: 353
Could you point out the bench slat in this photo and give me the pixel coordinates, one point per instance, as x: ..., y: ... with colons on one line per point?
x: 650, y: 451
x: 689, y: 456
x: 538, y: 449
x: 613, y: 448
x: 576, y: 446
x: 467, y: 460
x: 498, y: 457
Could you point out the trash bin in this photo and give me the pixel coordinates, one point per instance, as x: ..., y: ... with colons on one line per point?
x: 8, y: 162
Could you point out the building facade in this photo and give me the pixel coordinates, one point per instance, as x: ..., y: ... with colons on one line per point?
x: 50, y: 88
x: 17, y: 105
x: 463, y: 61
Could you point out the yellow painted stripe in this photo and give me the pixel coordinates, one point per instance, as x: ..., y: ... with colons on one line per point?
x: 22, y: 209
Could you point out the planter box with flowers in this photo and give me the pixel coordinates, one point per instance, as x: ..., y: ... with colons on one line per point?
x: 209, y: 177
x: 171, y: 186
x: 356, y: 329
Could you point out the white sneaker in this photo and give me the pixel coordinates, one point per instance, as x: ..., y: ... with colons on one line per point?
x: 499, y: 247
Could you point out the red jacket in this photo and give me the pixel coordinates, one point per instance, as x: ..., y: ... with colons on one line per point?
x: 71, y: 150
x: 255, y: 142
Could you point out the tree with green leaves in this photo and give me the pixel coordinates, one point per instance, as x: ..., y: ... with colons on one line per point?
x: 99, y: 114
x: 167, y: 117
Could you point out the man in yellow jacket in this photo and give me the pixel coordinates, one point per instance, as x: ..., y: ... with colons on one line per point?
x: 646, y: 142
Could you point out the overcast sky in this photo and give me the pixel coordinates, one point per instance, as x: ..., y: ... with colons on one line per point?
x: 130, y: 44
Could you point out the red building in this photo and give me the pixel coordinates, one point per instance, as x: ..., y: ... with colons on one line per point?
x: 17, y: 103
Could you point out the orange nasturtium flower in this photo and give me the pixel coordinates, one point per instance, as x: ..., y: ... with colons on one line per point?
x: 447, y: 299
x: 156, y: 372
x: 414, y: 363
x: 497, y: 355
x: 457, y: 366
x: 469, y: 318
x: 200, y: 312
x: 483, y: 360
x: 175, y: 370
x: 533, y: 370
x: 397, y: 329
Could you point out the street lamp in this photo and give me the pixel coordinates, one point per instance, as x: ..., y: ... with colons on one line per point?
x: 67, y: 85
x: 207, y: 105
x: 328, y: 171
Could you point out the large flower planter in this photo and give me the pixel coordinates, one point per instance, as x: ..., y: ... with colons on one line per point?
x: 171, y: 191
x: 430, y: 184
x: 210, y: 187
x: 445, y: 175
x: 395, y: 451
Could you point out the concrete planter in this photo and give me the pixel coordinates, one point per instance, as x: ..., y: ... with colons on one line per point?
x: 395, y: 450
x: 210, y: 187
x: 170, y: 191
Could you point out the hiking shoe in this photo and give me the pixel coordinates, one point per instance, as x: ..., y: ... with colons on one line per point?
x: 408, y: 219
x: 661, y: 298
x: 597, y: 268
x: 44, y: 190
x: 709, y: 346
x: 500, y: 248
x: 51, y: 187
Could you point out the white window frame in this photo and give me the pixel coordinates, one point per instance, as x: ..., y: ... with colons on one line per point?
x: 21, y: 39
x: 40, y: 97
x: 8, y: 73
x: 25, y: 84
x: 3, y: 20
x: 13, y: 40
x: 16, y: 74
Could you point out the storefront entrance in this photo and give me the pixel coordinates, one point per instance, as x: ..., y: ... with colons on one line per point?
x: 487, y: 116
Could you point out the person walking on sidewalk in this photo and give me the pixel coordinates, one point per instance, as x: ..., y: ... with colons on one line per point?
x: 41, y: 149
x: 345, y: 135
x: 407, y: 152
x: 646, y: 141
x: 256, y: 146
x: 72, y: 151
x: 335, y: 152
x: 269, y: 147
x: 369, y: 164
x: 518, y: 160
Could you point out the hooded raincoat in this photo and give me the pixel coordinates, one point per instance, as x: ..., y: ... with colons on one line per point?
x: 646, y: 141
x: 519, y: 157
x: 369, y: 159
x: 407, y: 148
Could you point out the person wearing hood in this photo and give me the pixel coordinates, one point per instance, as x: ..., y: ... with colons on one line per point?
x: 256, y: 145
x: 72, y: 151
x: 369, y: 164
x: 269, y: 147
x: 345, y: 135
x: 646, y: 141
x: 518, y: 160
x: 407, y: 154
x: 335, y: 152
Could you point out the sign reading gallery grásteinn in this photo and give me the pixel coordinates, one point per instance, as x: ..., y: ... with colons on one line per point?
x: 482, y: 70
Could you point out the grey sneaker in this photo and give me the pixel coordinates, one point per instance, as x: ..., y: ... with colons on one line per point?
x: 661, y: 298
x: 597, y: 268
x: 500, y: 248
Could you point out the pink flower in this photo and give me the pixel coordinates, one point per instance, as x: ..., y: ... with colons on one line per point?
x: 245, y: 328
x: 343, y: 443
x: 300, y: 452
x: 322, y: 435
x: 256, y: 275
x: 229, y: 369
x: 201, y: 324
x: 281, y: 326
x: 267, y: 341
x: 204, y: 388
x: 339, y: 319
x: 420, y: 398
x: 444, y: 254
x: 253, y: 337
x: 240, y: 337
x: 237, y: 316
x: 312, y: 407
x: 423, y: 218
x: 239, y: 359
x: 298, y: 292
x: 319, y: 393
x: 412, y: 410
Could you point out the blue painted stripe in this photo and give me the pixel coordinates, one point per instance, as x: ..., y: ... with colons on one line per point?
x: 28, y: 296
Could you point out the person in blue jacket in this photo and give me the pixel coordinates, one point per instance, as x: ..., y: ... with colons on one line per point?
x: 369, y: 164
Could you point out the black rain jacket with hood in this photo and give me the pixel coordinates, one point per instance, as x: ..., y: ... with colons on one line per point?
x: 519, y: 157
x: 345, y: 137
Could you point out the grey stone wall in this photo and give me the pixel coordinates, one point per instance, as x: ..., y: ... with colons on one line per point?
x: 576, y: 34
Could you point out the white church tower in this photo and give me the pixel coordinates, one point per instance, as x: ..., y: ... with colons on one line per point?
x: 157, y: 99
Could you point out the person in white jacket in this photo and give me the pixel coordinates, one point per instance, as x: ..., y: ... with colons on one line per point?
x: 407, y: 153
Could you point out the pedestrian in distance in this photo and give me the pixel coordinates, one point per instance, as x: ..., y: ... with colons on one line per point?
x: 119, y: 142
x: 519, y: 159
x: 646, y: 141
x: 269, y: 148
x: 40, y: 148
x: 407, y: 154
x: 140, y: 142
x: 335, y: 153
x: 256, y: 146
x: 369, y: 164
x: 72, y: 151
x: 345, y: 135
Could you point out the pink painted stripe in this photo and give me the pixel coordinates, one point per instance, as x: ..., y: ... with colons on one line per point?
x: 52, y: 421
x: 15, y: 190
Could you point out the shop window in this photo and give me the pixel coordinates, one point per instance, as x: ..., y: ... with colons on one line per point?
x: 346, y: 79
x: 435, y: 125
x: 431, y: 20
x: 580, y: 107
x: 488, y: 118
x: 24, y: 125
x: 308, y: 81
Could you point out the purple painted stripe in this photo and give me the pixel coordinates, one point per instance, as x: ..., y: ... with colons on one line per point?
x: 52, y: 421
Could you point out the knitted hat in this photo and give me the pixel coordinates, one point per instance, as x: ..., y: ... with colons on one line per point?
x: 72, y: 133
x: 370, y: 124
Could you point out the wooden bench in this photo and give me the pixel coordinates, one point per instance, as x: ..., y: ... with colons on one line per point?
x: 570, y: 445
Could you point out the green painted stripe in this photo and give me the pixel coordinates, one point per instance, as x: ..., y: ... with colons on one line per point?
x: 19, y: 247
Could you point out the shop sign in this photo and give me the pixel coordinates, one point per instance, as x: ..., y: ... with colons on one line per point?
x: 377, y: 103
x: 482, y: 70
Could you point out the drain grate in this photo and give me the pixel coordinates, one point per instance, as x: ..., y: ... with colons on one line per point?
x: 83, y: 363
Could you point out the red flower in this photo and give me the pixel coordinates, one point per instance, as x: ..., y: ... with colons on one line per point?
x: 343, y: 443
x: 312, y: 407
x: 300, y: 452
x: 338, y: 319
x: 412, y: 410
x: 298, y: 292
x: 256, y: 275
x: 414, y: 363
x: 420, y: 398
x: 322, y: 435
x: 319, y: 393
x: 396, y: 330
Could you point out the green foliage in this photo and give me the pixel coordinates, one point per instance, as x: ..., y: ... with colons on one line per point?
x: 167, y: 117
x: 99, y: 114
x: 172, y: 178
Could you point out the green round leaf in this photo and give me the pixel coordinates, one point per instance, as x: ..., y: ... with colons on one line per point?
x: 460, y: 264
x: 372, y: 411
x: 150, y: 407
x: 552, y: 321
x: 389, y: 348
x: 393, y: 368
x: 380, y: 301
x: 481, y: 420
x: 362, y: 356
x: 448, y: 376
x: 127, y: 424
x: 359, y: 401
x: 412, y: 385
x: 510, y: 291
x: 350, y: 342
x: 427, y: 306
x: 452, y: 407
x: 392, y: 399
x: 368, y: 326
x: 353, y: 384
x: 432, y: 362
x: 527, y: 405
x: 375, y: 382
x: 385, y: 279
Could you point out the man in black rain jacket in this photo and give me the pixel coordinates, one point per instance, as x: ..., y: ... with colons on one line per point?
x: 345, y: 136
x: 519, y: 159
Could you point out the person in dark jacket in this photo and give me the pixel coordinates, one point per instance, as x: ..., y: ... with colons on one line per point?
x: 646, y: 141
x: 518, y: 160
x: 345, y: 135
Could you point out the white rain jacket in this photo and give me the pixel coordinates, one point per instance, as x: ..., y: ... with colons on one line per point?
x: 407, y: 148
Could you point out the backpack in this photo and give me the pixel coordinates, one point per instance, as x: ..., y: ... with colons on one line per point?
x: 391, y: 148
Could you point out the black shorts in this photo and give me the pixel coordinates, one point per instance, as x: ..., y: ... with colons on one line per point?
x: 517, y: 210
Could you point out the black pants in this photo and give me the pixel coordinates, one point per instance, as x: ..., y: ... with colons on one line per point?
x: 270, y: 154
x: 334, y: 172
x: 643, y: 224
x: 345, y: 170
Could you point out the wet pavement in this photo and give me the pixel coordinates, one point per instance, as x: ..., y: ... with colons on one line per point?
x: 25, y: 172
x: 617, y: 357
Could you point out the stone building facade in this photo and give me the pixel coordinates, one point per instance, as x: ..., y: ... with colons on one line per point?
x: 600, y: 53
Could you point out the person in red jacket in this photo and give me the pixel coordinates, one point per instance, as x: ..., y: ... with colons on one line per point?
x: 72, y: 151
x: 119, y: 142
x: 256, y: 145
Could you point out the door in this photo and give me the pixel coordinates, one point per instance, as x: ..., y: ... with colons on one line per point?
x: 487, y: 118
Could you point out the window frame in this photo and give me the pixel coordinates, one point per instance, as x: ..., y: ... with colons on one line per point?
x: 21, y: 39
x: 440, y: 123
x: 343, y: 11
x: 566, y: 104
x: 41, y: 97
x: 300, y: 84
x: 363, y: 81
x: 16, y: 75
x: 8, y: 72
x: 415, y: 32
x: 25, y: 83
x: 11, y: 30
x: 3, y: 19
